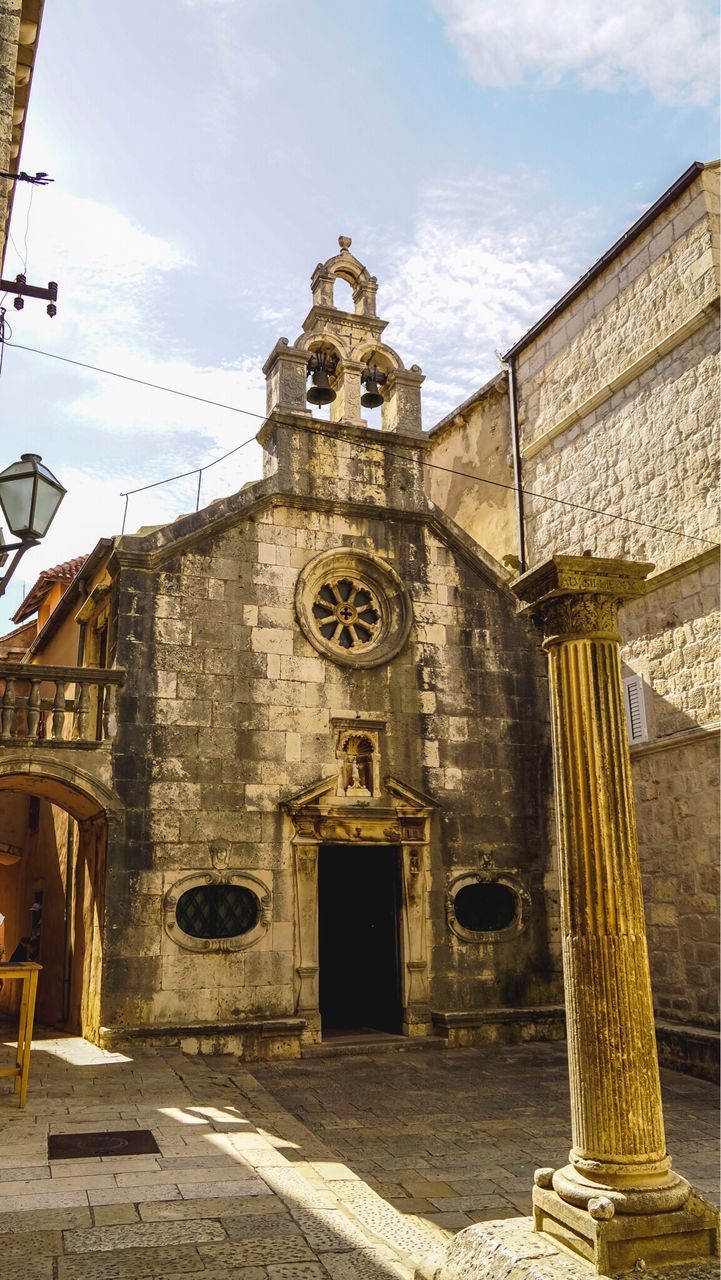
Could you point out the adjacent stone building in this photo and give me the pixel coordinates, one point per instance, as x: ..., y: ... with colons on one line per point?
x: 304, y: 748
x: 612, y: 408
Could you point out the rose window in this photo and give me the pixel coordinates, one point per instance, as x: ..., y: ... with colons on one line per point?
x: 346, y: 613
x: 353, y: 607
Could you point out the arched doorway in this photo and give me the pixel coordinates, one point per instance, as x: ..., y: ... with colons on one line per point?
x: 53, y: 842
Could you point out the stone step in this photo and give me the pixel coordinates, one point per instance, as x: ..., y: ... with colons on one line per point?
x: 374, y: 1042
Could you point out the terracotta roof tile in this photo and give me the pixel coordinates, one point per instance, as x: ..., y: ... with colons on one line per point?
x: 64, y: 572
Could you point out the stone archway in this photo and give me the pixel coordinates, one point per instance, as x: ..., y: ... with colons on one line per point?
x: 52, y: 882
x: 398, y: 816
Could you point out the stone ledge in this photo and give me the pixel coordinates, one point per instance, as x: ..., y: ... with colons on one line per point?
x: 511, y: 1250
x: 622, y: 379
x: 500, y: 1026
x: 253, y: 1039
x: 683, y: 738
x: 690, y: 1049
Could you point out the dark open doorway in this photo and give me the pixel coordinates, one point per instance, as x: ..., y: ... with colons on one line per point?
x: 359, y: 944
x: 52, y: 874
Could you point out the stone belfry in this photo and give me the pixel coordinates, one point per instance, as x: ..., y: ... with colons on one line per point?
x: 348, y: 346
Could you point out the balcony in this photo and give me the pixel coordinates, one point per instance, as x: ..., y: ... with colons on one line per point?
x: 57, y: 705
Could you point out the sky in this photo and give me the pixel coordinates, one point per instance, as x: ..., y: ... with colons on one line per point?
x: 206, y: 154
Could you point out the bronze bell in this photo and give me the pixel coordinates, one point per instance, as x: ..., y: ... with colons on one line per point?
x: 321, y: 392
x: 372, y: 379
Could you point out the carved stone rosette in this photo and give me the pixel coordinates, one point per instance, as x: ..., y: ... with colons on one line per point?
x: 618, y: 1162
x: 353, y: 607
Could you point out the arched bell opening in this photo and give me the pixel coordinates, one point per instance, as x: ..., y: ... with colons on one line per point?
x: 323, y: 378
x: 52, y: 875
x: 376, y: 368
x: 343, y: 295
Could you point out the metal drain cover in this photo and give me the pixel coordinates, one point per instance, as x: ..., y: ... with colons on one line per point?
x: 124, y: 1142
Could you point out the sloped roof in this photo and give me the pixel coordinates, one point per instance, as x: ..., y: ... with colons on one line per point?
x: 64, y: 572
x: 14, y: 645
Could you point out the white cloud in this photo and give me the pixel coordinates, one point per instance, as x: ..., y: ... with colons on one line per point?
x: 113, y: 274
x: 482, y: 265
x: 669, y: 47
x: 115, y: 278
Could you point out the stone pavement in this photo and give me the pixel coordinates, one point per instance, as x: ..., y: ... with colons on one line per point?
x: 455, y: 1136
x: 342, y: 1168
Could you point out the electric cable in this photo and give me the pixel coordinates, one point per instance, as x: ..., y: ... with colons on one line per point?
x: 197, y: 471
x: 376, y: 441
x: 543, y: 497
x: 142, y: 382
x: 27, y: 228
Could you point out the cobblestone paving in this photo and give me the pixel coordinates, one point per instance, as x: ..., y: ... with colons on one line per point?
x: 240, y: 1188
x: 340, y: 1168
x: 454, y: 1137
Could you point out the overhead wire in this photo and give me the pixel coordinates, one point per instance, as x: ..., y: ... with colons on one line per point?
x: 183, y: 476
x: 543, y: 497
x: 142, y: 382
x: 5, y: 327
x: 375, y: 441
x: 27, y: 228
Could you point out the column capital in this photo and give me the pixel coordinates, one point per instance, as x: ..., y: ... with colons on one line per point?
x: 577, y: 597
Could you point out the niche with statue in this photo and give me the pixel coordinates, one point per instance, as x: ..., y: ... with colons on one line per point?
x: 358, y: 763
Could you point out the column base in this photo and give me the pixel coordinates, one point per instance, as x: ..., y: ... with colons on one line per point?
x: 617, y: 1244
x: 605, y: 1190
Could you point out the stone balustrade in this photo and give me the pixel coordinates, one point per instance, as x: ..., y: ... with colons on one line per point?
x: 57, y: 704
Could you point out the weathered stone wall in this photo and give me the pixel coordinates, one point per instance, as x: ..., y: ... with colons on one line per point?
x: 647, y: 453
x: 227, y: 713
x: 618, y: 405
x: 618, y: 411
x: 677, y: 815
x: 476, y: 441
x: 10, y: 13
x: 671, y: 639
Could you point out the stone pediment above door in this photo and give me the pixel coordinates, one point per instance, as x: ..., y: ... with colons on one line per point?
x: 397, y: 814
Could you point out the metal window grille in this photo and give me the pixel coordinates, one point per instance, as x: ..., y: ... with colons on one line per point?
x: 217, y: 911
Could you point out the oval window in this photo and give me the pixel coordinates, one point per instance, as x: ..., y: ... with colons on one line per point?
x: 485, y: 907
x: 217, y: 911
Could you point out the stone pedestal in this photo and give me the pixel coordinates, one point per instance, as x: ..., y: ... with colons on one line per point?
x: 513, y: 1250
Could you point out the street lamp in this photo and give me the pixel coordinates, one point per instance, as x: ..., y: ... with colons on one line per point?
x: 29, y: 496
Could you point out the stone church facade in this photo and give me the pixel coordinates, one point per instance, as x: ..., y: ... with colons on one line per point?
x: 329, y: 716
x: 305, y: 751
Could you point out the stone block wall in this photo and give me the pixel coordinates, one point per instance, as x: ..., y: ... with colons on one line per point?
x: 618, y: 411
x: 227, y: 713
x: 647, y: 454
x: 671, y: 640
x: 475, y: 441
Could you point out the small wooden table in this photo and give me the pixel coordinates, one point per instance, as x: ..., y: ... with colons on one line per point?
x: 27, y: 972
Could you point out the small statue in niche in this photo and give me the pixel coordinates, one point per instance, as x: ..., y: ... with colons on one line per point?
x: 357, y: 767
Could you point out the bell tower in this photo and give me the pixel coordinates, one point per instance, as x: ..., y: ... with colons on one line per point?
x: 340, y: 358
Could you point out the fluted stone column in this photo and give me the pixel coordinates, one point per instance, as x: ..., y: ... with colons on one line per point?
x: 618, y: 1161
